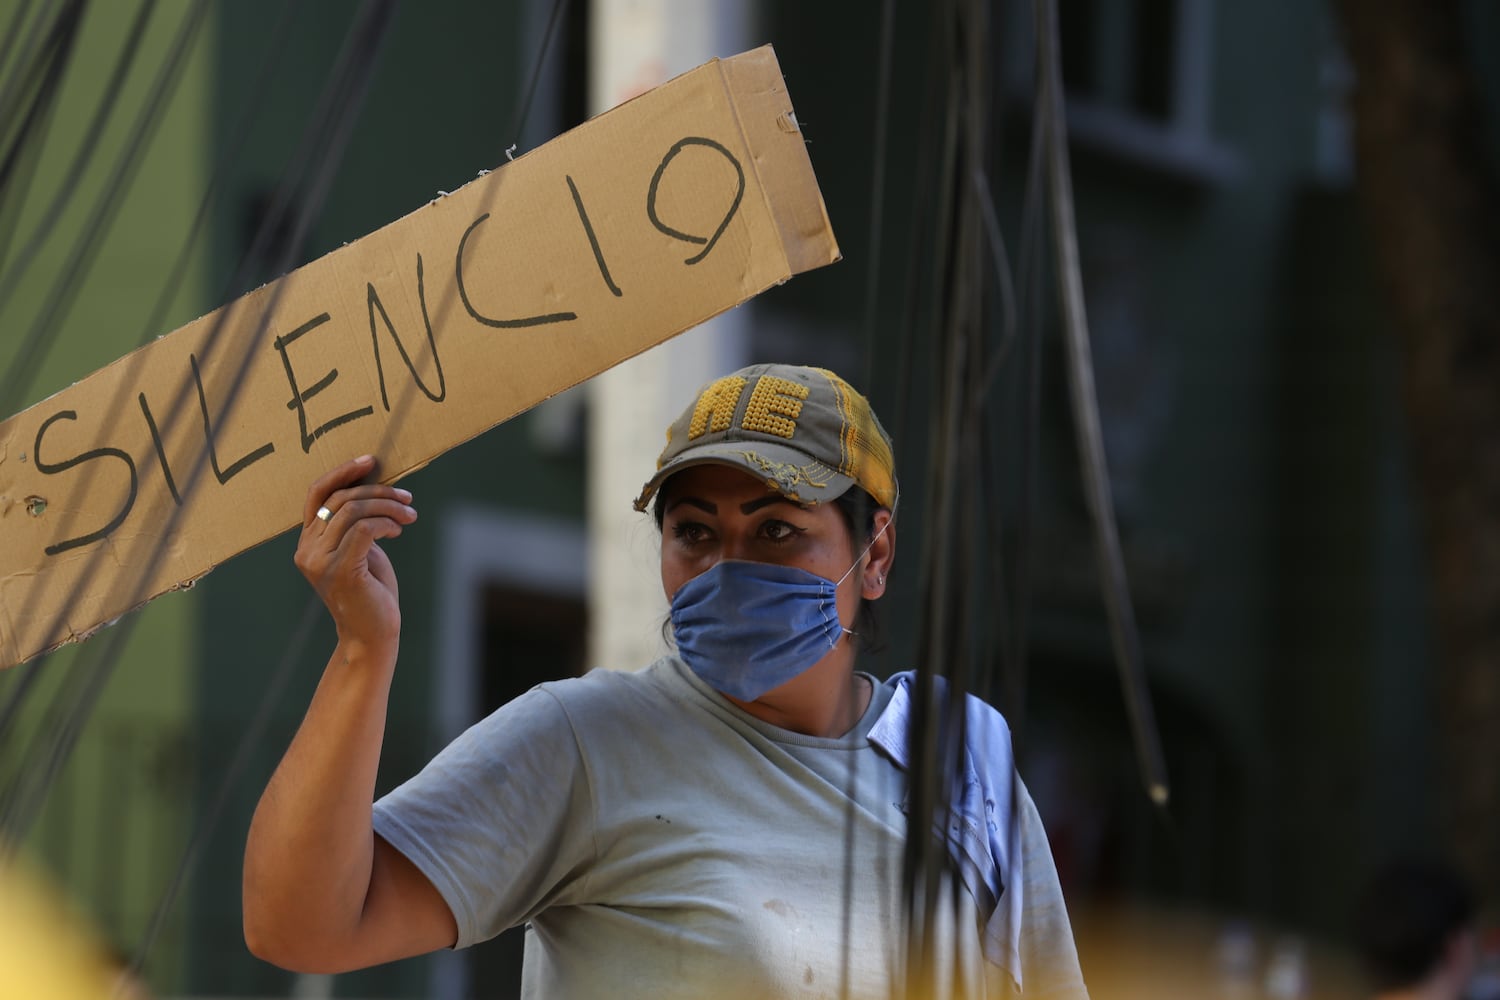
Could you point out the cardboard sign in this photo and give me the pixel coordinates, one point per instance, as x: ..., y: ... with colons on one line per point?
x: 637, y: 225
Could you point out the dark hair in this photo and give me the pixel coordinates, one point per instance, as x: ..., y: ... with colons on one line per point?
x: 858, y: 509
x: 1408, y: 913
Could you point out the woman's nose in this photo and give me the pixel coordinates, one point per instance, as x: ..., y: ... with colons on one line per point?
x: 734, y: 547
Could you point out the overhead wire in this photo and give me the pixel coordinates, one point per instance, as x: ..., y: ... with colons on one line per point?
x: 331, y: 125
x: 291, y: 656
x: 273, y: 219
x: 72, y: 269
x: 316, y: 139
x: 61, y: 298
x: 239, y: 132
x: 990, y: 533
x: 350, y: 86
x: 973, y: 305
x: 114, y: 87
x: 27, y: 54
x: 883, y: 75
x: 24, y: 76
x: 933, y: 739
x: 207, y: 823
x: 1029, y: 282
x: 1124, y: 637
x: 76, y: 264
x: 528, y: 95
x: 25, y: 146
x: 922, y: 237
x: 963, y: 638
x: 239, y: 135
x: 877, y: 184
x: 12, y: 32
x: 368, y: 32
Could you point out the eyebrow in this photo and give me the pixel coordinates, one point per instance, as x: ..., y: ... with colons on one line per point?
x: 703, y: 505
x: 749, y: 507
x: 752, y: 506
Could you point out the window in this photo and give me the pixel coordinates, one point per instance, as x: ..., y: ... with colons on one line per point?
x: 1138, y: 76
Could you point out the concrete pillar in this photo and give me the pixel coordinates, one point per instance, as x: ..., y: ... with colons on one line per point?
x: 633, y: 46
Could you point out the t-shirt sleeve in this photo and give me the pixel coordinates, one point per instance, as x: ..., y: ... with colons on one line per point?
x: 1049, y: 957
x: 501, y: 820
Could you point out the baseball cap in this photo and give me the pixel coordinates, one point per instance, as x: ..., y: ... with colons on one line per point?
x: 805, y: 431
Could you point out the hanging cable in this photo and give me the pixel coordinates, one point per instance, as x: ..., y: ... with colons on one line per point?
x: 349, y: 85
x: 240, y: 131
x: 239, y: 134
x: 522, y: 114
x: 24, y: 152
x: 87, y: 676
x: 1095, y: 473
x: 27, y: 58
x: 877, y: 185
x: 922, y: 238
x: 1029, y: 283
x: 12, y: 276
x: 523, y: 106
x: 933, y: 736
x: 42, y: 334
x: 12, y: 32
x: 323, y: 128
x: 250, y: 740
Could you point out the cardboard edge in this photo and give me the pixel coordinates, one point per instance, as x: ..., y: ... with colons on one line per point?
x: 763, y: 109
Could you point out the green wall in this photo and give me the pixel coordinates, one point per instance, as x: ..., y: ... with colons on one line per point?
x: 117, y: 816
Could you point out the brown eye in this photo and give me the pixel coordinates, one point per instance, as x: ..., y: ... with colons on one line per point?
x: 689, y: 532
x: 779, y: 531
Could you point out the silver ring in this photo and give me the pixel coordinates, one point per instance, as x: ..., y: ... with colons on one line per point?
x: 325, y: 515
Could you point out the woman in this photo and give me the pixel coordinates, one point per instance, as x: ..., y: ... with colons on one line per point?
x: 727, y: 822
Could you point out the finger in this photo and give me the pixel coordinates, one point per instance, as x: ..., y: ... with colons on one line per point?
x: 347, y: 474
x: 355, y: 512
x: 358, y: 543
x: 341, y: 498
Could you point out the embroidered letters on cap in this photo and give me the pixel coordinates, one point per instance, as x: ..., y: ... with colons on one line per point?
x: 806, y: 432
x: 715, y: 409
x: 775, y: 404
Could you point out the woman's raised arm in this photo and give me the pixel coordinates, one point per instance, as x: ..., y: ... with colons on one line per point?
x: 321, y: 892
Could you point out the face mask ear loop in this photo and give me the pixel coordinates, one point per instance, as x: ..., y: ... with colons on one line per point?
x: 866, y: 551
x: 840, y: 582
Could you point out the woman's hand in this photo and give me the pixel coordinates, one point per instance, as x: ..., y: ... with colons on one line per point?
x: 339, y: 557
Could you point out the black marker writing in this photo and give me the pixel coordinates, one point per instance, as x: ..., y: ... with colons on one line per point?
x: 588, y: 228
x: 161, y: 453
x: 458, y: 272
x: 374, y: 303
x: 52, y: 468
x: 300, y: 397
x: 708, y: 242
x: 223, y: 475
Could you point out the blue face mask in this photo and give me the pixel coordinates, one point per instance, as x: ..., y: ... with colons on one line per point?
x: 748, y: 627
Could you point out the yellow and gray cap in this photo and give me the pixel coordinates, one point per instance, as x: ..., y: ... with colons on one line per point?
x: 805, y: 431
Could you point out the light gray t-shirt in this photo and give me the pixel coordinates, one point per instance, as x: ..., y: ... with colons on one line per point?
x: 662, y: 843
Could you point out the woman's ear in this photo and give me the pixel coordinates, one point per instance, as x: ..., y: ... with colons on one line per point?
x: 881, y: 557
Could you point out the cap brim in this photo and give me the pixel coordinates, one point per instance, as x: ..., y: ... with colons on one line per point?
x: 792, y: 473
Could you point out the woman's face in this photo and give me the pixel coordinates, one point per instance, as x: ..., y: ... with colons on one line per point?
x: 717, y: 512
